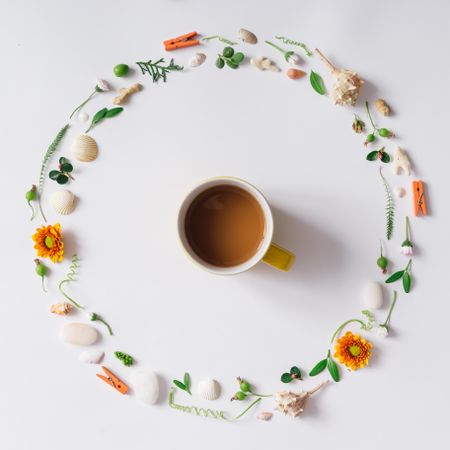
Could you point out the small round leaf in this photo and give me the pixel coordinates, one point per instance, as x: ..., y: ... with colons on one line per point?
x: 54, y: 174
x: 286, y: 378
x: 62, y: 179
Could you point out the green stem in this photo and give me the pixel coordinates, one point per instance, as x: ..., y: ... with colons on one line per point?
x: 344, y: 325
x: 260, y: 395
x: 97, y: 318
x: 245, y: 410
x: 68, y: 298
x: 82, y: 104
x: 276, y: 46
x: 391, y: 308
x: 33, y: 212
x: 43, y: 287
x: 381, y: 249
x: 408, y: 265
x: 407, y: 228
x: 370, y: 117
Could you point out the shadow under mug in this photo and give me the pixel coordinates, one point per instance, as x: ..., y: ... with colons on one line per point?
x: 268, y: 252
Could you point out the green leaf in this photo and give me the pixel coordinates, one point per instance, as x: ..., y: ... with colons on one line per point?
x: 406, y: 279
x: 187, y: 381
x: 66, y: 167
x: 179, y: 384
x: 238, y: 58
x: 286, y: 377
x: 54, y: 174
x: 232, y: 64
x: 319, y: 367
x: 113, y: 112
x: 333, y: 369
x: 297, y: 372
x: 228, y: 52
x: 316, y: 82
x: 395, y: 276
x: 287, y: 55
x: 62, y: 179
x: 99, y: 115
x: 63, y: 160
x: 220, y: 63
x: 385, y: 157
x: 372, y: 156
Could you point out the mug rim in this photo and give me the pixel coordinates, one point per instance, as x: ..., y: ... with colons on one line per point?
x: 256, y: 194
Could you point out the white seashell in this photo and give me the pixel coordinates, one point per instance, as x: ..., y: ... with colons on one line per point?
x: 83, y: 116
x: 197, y: 59
x: 208, y: 389
x: 264, y: 415
x: 400, y: 191
x: 91, y: 356
x: 78, y: 334
x: 62, y: 201
x: 373, y: 295
x: 84, y: 148
x: 247, y: 36
x: 145, y: 385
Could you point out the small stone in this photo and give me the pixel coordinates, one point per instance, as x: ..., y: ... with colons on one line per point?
x: 197, y: 59
x: 79, y: 334
x: 399, y: 191
x: 91, y: 356
x: 264, y: 416
x: 373, y: 295
x: 83, y: 116
x: 145, y: 385
x: 295, y: 74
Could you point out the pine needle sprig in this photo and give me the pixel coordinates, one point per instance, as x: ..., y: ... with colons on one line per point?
x: 389, y: 207
x: 47, y: 157
x: 157, y: 70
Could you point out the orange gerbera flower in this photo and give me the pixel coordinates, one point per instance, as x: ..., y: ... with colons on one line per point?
x: 353, y: 350
x: 49, y: 242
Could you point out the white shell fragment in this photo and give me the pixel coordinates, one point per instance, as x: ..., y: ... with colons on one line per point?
x: 78, y: 334
x: 62, y: 201
x: 264, y: 63
x: 83, y: 116
x: 91, y: 356
x: 247, y: 36
x: 373, y: 295
x: 84, y: 148
x: 401, y: 162
x: 399, y: 191
x: 145, y: 385
x: 197, y: 59
x: 208, y: 389
x: 265, y: 415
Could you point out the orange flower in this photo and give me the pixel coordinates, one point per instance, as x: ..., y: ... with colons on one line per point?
x: 49, y: 242
x: 353, y: 350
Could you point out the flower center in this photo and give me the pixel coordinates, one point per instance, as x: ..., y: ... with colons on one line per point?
x: 355, y: 350
x: 49, y: 242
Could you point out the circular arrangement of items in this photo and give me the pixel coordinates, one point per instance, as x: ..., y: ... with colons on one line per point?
x: 345, y: 347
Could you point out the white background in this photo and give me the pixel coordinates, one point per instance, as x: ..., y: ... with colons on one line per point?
x: 293, y: 144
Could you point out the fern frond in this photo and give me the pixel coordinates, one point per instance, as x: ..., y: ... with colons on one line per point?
x: 48, y: 155
x: 389, y: 207
x: 157, y: 70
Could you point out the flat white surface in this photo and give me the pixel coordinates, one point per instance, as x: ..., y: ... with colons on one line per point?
x: 291, y: 143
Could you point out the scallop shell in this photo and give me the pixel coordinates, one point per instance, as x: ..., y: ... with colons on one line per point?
x: 247, y: 36
x: 208, y: 389
x: 84, y: 148
x: 63, y: 201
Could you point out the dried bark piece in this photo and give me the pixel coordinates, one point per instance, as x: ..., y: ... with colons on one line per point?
x: 382, y: 107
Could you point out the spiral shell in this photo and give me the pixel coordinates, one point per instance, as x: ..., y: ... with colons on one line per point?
x: 247, y: 36
x: 84, y: 148
x: 63, y: 201
x: 208, y: 389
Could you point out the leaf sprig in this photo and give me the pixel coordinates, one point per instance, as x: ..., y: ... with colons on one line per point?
x: 405, y: 275
x: 293, y: 374
x: 104, y: 113
x: 126, y: 359
x: 220, y: 38
x: 389, y: 207
x: 185, y: 385
x: 63, y: 174
x: 229, y: 57
x: 157, y: 70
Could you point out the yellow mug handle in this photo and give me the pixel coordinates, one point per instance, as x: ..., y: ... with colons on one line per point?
x: 279, y: 257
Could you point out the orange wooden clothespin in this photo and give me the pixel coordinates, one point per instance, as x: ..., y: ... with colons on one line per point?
x: 419, y: 198
x: 182, y: 41
x: 113, y: 381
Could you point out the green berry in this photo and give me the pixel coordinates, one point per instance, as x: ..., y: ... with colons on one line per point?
x: 240, y: 395
x: 384, y: 132
x: 41, y: 270
x: 382, y: 262
x: 370, y: 137
x: 120, y: 70
x: 245, y: 386
x: 31, y: 194
x: 220, y: 63
x: 228, y: 52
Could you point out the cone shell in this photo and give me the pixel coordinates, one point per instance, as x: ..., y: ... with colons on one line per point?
x: 84, y: 148
x: 63, y: 201
x: 208, y: 389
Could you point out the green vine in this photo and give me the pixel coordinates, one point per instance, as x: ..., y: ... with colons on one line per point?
x: 389, y: 207
x: 69, y: 278
x: 48, y: 155
x: 220, y: 38
x: 157, y: 70
x: 298, y: 44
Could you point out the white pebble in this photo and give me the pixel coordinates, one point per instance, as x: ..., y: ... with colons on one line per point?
x: 83, y: 116
x: 91, y: 356
x: 78, y: 334
x: 145, y: 385
x: 197, y: 59
x: 399, y: 191
x: 264, y: 416
x: 373, y: 295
